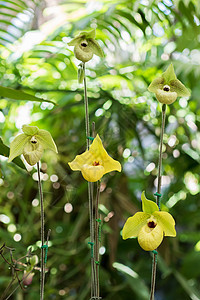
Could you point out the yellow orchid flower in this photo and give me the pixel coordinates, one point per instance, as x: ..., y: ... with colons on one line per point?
x: 95, y: 162
x: 150, y: 226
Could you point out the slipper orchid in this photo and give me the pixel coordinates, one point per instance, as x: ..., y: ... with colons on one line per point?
x: 95, y: 162
x: 31, y: 144
x: 85, y: 45
x: 167, y: 87
x: 150, y: 226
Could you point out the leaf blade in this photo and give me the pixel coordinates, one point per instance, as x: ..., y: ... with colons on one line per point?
x: 20, y: 95
x: 4, y: 150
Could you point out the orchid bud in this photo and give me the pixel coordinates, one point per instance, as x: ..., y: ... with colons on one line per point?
x: 27, y: 278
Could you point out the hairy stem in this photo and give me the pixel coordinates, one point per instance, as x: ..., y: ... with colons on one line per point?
x: 154, y: 261
x: 90, y: 189
x: 42, y: 275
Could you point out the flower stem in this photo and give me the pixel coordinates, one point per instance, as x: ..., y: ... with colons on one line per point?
x: 154, y: 261
x: 160, y: 153
x: 42, y: 275
x: 97, y: 237
x: 90, y: 189
x: 87, y: 121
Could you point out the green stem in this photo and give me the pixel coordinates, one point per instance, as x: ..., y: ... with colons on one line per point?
x: 87, y: 121
x: 154, y: 261
x: 160, y: 153
x: 97, y: 242
x: 90, y: 187
x: 42, y: 275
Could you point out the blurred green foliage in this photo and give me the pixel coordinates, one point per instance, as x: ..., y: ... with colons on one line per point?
x: 140, y: 39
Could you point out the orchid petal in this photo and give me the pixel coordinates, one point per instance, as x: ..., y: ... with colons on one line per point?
x: 148, y: 206
x: 46, y: 140
x: 169, y: 74
x: 75, y: 41
x: 17, y: 146
x: 167, y: 222
x: 32, y: 153
x: 95, y: 162
x: 166, y: 97
x: 83, y: 53
x: 157, y: 83
x: 95, y: 47
x: 149, y: 239
x: 80, y: 160
x: 30, y: 130
x: 90, y: 34
x: 179, y: 88
x: 82, y: 35
x: 100, y: 154
x: 92, y: 173
x: 134, y: 224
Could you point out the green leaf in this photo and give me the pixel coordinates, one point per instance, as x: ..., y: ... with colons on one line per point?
x: 33, y: 260
x: 10, y: 8
x: 4, y: 150
x: 135, y: 282
x: 19, y: 95
x: 187, y: 285
x: 17, y: 4
x: 148, y: 206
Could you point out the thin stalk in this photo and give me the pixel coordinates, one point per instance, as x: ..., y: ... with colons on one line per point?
x: 3, y: 296
x: 42, y: 275
x: 154, y: 261
x: 87, y: 121
x: 160, y: 153
x: 97, y: 238
x: 90, y: 187
x: 153, y: 276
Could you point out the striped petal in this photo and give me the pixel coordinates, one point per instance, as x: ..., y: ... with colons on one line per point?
x: 17, y: 146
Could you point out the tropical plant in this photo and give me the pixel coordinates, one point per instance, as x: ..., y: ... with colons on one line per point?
x: 140, y: 39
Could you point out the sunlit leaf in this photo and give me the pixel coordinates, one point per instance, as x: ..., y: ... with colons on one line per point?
x: 19, y: 95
